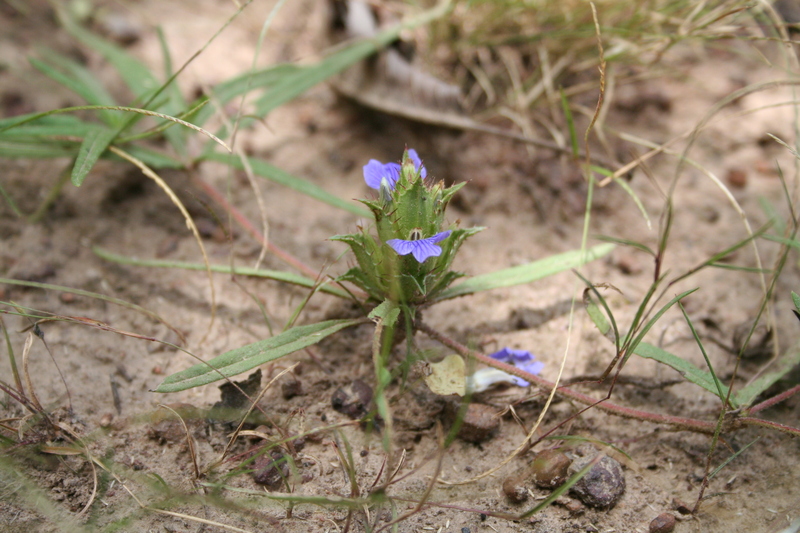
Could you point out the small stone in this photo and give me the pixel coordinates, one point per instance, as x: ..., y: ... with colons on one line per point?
x: 550, y: 469
x: 737, y: 178
x: 271, y: 469
x: 681, y: 507
x: 106, y: 420
x: 514, y: 489
x: 291, y: 388
x: 479, y: 424
x: 353, y: 400
x: 602, y: 486
x: 663, y: 523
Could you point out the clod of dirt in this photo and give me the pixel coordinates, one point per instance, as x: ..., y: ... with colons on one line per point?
x: 602, y: 486
x: 514, y: 488
x: 681, y: 507
x: 234, y: 398
x: 663, y: 523
x: 737, y: 178
x: 271, y: 469
x: 166, y: 428
x: 550, y: 468
x: 479, y: 424
x: 352, y: 400
x: 291, y: 388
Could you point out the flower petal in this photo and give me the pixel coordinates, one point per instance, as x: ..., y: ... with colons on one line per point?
x: 422, y: 249
x: 375, y: 172
x: 425, y: 249
x: 412, y: 154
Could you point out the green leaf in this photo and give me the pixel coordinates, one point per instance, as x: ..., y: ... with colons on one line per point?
x: 286, y: 277
x: 796, y: 300
x: 92, y: 147
x: 685, y: 368
x: 246, y: 358
x: 79, y: 80
x: 272, y: 173
x: 298, y: 82
x: 785, y: 363
x: 526, y: 273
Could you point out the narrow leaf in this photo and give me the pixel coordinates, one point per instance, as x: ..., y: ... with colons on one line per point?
x: 92, y: 147
x: 246, y: 358
x: 685, y: 368
x: 785, y: 363
x: 273, y: 173
x: 526, y: 273
x: 277, y: 275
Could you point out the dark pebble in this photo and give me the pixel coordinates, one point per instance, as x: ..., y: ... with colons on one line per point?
x: 602, y: 486
x: 663, y: 523
x: 291, y: 388
x: 271, y: 469
x: 352, y: 400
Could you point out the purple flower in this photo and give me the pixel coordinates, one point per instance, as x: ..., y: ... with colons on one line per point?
x: 521, y: 359
x: 422, y: 249
x: 412, y: 154
x: 376, y: 172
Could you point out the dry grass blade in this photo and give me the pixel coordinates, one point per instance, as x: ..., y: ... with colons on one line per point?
x: 147, y: 171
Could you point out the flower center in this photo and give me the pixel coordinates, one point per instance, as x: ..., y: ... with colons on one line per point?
x: 416, y: 234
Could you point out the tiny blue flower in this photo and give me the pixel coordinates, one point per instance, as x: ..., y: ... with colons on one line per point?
x: 376, y: 172
x: 521, y: 359
x: 421, y: 249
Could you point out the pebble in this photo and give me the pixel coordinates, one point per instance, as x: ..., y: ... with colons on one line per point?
x: 479, y: 424
x: 602, y: 486
x: 514, y: 488
x: 353, y: 400
x: 271, y: 469
x: 663, y: 523
x: 550, y: 469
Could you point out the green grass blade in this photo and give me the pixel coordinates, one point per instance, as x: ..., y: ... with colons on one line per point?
x: 272, y: 173
x: 295, y: 84
x: 92, y: 147
x: 631, y: 348
x: 785, y: 364
x: 731, y: 458
x: 699, y: 342
x: 151, y: 158
x: 573, y: 136
x: 136, y: 75
x: 685, y: 368
x: 526, y: 273
x: 80, y: 81
x: 286, y: 277
x: 250, y: 81
x: 36, y: 150
x: 246, y: 358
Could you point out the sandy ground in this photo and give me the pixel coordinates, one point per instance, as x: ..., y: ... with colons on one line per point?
x: 532, y: 207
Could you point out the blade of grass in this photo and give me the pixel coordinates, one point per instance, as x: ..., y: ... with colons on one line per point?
x: 272, y: 173
x: 526, y: 273
x: 242, y: 359
x: 277, y: 275
x: 699, y: 342
x: 92, y: 147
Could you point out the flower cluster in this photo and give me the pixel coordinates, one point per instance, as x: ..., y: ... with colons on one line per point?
x: 410, y: 259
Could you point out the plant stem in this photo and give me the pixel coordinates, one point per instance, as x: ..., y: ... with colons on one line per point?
x: 680, y: 423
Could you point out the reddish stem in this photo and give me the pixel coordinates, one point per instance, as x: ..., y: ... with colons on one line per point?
x: 775, y: 399
x: 690, y: 424
x: 286, y: 257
